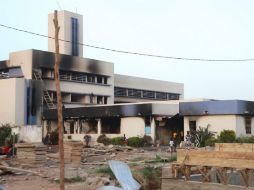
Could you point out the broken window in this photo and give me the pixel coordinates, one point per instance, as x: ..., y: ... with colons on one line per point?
x: 120, y: 92
x: 69, y: 127
x: 105, y: 99
x: 90, y: 78
x: 99, y: 79
x: 89, y: 126
x: 110, y: 125
x: 99, y: 99
x: 105, y: 80
x: 91, y: 98
x: 192, y: 126
x: 248, y: 125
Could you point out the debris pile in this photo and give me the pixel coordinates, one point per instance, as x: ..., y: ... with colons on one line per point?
x: 109, y: 152
x: 31, y: 153
x: 73, y: 151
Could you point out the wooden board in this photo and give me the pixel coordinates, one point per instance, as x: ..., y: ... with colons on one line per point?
x: 216, y: 158
x: 234, y: 147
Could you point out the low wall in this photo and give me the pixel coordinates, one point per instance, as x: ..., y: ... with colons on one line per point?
x: 30, y: 133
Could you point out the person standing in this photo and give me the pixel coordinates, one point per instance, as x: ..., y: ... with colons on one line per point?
x: 125, y: 142
x: 188, y: 143
x: 171, y: 145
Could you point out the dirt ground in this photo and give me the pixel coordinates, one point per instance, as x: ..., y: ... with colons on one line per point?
x: 86, y: 176
x: 38, y: 183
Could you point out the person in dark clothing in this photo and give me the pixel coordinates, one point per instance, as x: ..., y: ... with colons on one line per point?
x: 124, y: 140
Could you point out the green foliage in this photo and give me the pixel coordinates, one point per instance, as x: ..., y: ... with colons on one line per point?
x: 158, y: 158
x: 211, y: 141
x: 74, y: 179
x: 227, y: 136
x: 6, y: 136
x: 106, y: 170
x: 147, y: 172
x: 103, y: 139
x: 173, y: 158
x: 245, y: 139
x: 116, y: 141
x: 202, y: 135
x: 136, y: 141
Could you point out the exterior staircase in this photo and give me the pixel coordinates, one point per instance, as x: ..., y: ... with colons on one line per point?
x: 46, y: 96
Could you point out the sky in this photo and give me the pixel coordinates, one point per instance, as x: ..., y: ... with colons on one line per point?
x: 209, y: 29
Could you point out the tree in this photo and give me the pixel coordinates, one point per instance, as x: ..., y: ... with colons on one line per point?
x: 202, y: 135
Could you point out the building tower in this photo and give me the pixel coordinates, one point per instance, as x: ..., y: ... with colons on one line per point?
x: 71, y: 30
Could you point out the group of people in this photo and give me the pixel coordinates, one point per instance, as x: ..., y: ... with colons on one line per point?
x: 187, y: 142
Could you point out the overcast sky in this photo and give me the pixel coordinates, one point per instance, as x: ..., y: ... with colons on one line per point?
x: 213, y: 29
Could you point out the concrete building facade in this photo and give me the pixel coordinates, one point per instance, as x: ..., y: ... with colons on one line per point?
x: 162, y: 120
x: 84, y: 81
x: 71, y: 31
x: 12, y: 101
x: 159, y: 120
x: 236, y: 115
x: 132, y: 89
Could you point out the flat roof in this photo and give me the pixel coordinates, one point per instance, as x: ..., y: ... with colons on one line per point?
x: 217, y: 107
x: 116, y: 110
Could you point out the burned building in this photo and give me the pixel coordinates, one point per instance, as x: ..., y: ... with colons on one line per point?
x: 29, y: 77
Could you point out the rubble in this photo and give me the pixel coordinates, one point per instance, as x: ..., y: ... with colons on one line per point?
x: 109, y: 151
x: 73, y: 151
x: 31, y: 153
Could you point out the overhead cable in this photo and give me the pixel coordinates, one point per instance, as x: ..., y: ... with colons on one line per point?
x: 133, y: 53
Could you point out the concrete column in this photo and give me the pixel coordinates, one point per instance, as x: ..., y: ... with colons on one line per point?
x: 44, y: 128
x: 78, y: 126
x: 153, y: 129
x: 99, y: 127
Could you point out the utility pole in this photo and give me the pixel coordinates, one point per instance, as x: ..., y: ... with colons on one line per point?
x: 59, y: 102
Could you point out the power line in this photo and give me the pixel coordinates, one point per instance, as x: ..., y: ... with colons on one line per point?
x: 133, y: 53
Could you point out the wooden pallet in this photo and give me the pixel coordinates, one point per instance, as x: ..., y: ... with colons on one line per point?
x: 221, y: 161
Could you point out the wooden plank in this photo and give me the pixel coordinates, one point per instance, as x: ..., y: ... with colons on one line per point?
x: 181, y: 154
x: 216, y: 158
x: 246, y: 176
x: 234, y: 147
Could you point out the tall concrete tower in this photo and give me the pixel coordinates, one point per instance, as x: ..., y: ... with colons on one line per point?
x: 71, y: 29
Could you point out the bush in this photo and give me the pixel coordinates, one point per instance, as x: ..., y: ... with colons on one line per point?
x: 5, y: 135
x: 245, y: 139
x: 103, y: 139
x: 116, y: 141
x: 136, y: 141
x: 211, y: 141
x: 227, y: 136
x: 202, y: 135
